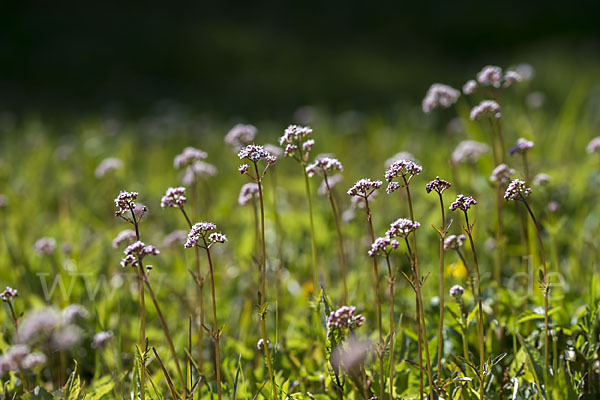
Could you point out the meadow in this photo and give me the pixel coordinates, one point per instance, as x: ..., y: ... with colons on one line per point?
x: 444, y: 250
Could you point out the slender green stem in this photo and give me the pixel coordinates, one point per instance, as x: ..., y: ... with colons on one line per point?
x: 392, y: 335
x: 142, y: 307
x: 216, y: 332
x: 339, y: 235
x: 312, y: 231
x: 442, y: 290
x: 469, y: 230
x: 418, y: 321
x: 377, y: 299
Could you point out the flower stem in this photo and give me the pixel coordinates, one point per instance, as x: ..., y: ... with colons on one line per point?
x: 442, y: 290
x: 339, y: 235
x: 216, y: 333
x: 392, y: 328
x: 312, y: 232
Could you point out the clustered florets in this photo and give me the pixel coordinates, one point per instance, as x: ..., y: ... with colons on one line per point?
x: 457, y: 291
x: 296, y: 143
x: 511, y: 77
x: 437, y: 185
x: 405, y: 169
x: 101, y: 339
x: 256, y: 153
x: 324, y: 164
x: 594, y: 145
x: 136, y: 252
x: 8, y: 294
x: 490, y: 75
x: 487, y: 108
x: 439, y: 95
x: 189, y: 156
x: 541, y: 179
x: 469, y: 87
x: 344, y: 317
x: 247, y: 193
x: 364, y: 188
x: 516, y: 190
x: 174, y: 197
x: 463, y: 203
x: 204, y: 231
x: 240, y: 135
x: 383, y: 246
x: 501, y: 174
x: 18, y: 357
x: 125, y: 202
x: 402, y: 227
x: 197, y: 171
x: 469, y: 151
x: 45, y: 245
x: 521, y: 146
x: 454, y: 241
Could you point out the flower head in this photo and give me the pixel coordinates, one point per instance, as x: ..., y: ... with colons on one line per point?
x: 296, y: 142
x: 541, y: 179
x: 405, y: 169
x: 324, y: 165
x: 175, y: 237
x: 402, y: 227
x: 501, y: 174
x: 107, y: 166
x: 439, y: 95
x: 247, y: 193
x: 136, y: 252
x: 454, y: 241
x: 32, y: 360
x: 125, y: 202
x: 437, y: 185
x: 364, y: 188
x: 125, y: 236
x: 382, y: 246
x: 344, y: 317
x: 487, y: 108
x: 511, y: 77
x: 8, y: 294
x: 594, y: 145
x: 332, y: 181
x: 74, y: 312
x: 463, y: 203
x: 490, y: 75
x: 469, y: 87
x: 457, y: 291
x: 256, y: 153
x: 197, y: 171
x: 516, y: 190
x: 521, y: 146
x: 469, y: 151
x: 101, y: 339
x: 174, y: 197
x: 188, y: 156
x: 45, y: 245
x: 240, y: 135
x: 203, y: 234
x: 403, y: 155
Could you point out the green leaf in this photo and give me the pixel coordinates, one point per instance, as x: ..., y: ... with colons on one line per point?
x: 39, y: 393
x: 100, y: 388
x: 72, y: 388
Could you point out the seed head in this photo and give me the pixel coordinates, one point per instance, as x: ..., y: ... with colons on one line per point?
x: 189, y: 156
x: 402, y: 227
x: 454, y: 242
x: 502, y: 174
x: 364, y: 188
x: 487, y: 108
x: 516, y: 190
x: 521, y: 146
x: 437, y: 185
x: 463, y: 203
x: 344, y: 317
x: 137, y: 251
x: 457, y: 291
x: 490, y: 75
x: 439, y: 95
x: 174, y: 197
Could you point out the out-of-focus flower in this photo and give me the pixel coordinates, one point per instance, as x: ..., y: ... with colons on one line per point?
x: 462, y: 203
x: 490, y: 75
x: 175, y: 237
x: 107, y: 166
x: 454, y: 242
x: 32, y: 360
x: 437, y: 185
x: 511, y: 77
x: 261, y: 343
x: 382, y: 246
x: 125, y: 236
x: 525, y: 71
x: 247, y: 193
x: 403, y: 155
x: 535, y: 100
x: 402, y: 227
x: 469, y: 87
x: 553, y: 206
x: 439, y: 95
x: 594, y: 145
x: 198, y: 171
x: 502, y: 174
x: 364, y: 188
x: 8, y: 294
x: 136, y: 252
x: 101, y: 339
x: 332, y: 180
x: 457, y: 291
x: 274, y: 150
x: 521, y: 146
x: 324, y: 165
x: 74, y: 312
x: 45, y: 245
x: 3, y: 200
x: 66, y: 337
x: 38, y: 324
x: 189, y: 156
x: 344, y: 318
x: 541, y: 179
x: 240, y: 135
x: 469, y: 151
x: 174, y: 197
x: 516, y: 190
x: 487, y: 108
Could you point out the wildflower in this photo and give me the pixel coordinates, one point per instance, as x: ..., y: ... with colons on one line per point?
x: 469, y: 151
x: 405, y: 169
x: 383, y: 246
x: 541, y: 179
x: 107, y: 166
x: 501, y: 174
x: 332, y: 181
x: 469, y: 87
x: 261, y: 343
x: 402, y: 227
x: 136, y: 252
x: 174, y: 197
x: 454, y: 241
x: 240, y: 135
x: 490, y: 75
x: 45, y: 245
x: 125, y: 202
x: 553, y: 206
x: 189, y: 156
x: 439, y: 95
x: 364, y: 188
x: 516, y: 190
x: 487, y: 108
x: 511, y: 77
x: 243, y: 168
x: 197, y: 171
x: 125, y: 236
x: 463, y: 203
x: 39, y: 324
x: 32, y: 360
x: 101, y: 339
x: 255, y: 154
x: 594, y: 145
x: 403, y: 155
x: 344, y: 317
x: 324, y: 165
x: 521, y: 146
x: 535, y: 100
x: 8, y: 294
x: 204, y: 231
x: 437, y: 185
x: 66, y: 337
x: 175, y: 237
x: 457, y: 291
x: 74, y: 312
x: 247, y: 193
x: 296, y: 142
